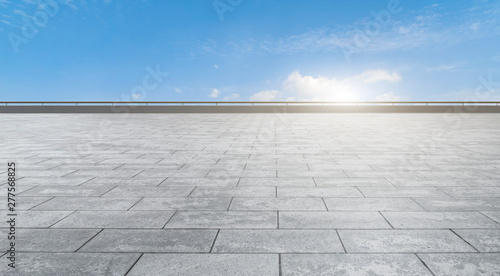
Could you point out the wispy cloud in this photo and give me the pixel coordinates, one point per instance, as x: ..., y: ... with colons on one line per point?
x: 444, y: 67
x: 267, y: 95
x: 429, y: 26
x: 215, y: 93
x: 333, y: 89
x: 232, y: 97
x: 388, y: 97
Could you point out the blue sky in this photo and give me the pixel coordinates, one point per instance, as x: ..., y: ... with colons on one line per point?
x: 206, y: 50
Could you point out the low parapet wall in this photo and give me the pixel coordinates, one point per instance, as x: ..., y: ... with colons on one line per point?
x: 249, y: 109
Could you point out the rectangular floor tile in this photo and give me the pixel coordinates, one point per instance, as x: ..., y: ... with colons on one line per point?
x: 352, y: 181
x: 207, y: 264
x: 65, y: 191
x: 115, y: 219
x: 38, y: 219
x: 71, y: 264
x: 318, y: 192
x: 439, y: 220
x: 88, y: 203
x: 132, y: 240
x: 314, y: 174
x: 276, y: 204
x: 278, y: 241
x: 402, y: 192
x: 460, y: 204
x: 225, y: 219
x: 234, y: 192
x: 168, y: 191
x: 156, y: 203
x: 273, y: 182
x: 201, y: 181
x: 332, y: 220
x: 402, y: 241
x: 51, y: 240
x: 372, y: 204
x: 484, y: 240
x: 472, y: 191
x: 494, y: 215
x: 27, y: 202
x: 353, y: 264
x: 462, y: 264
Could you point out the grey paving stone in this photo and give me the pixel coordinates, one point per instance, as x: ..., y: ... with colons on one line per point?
x: 463, y: 264
x: 410, y: 182
x: 332, y: 220
x: 240, y: 173
x: 226, y: 219
x: 234, y: 192
x: 276, y: 204
x: 484, y: 240
x: 373, y: 152
x: 319, y: 192
x: 353, y: 264
x: 402, y: 192
x: 402, y: 241
x: 65, y: 191
x: 87, y: 203
x: 439, y: 220
x: 357, y: 181
x: 33, y: 219
x: 26, y: 202
x: 460, y: 204
x: 278, y: 241
x: 155, y: 203
x: 331, y: 173
x: 201, y: 181
x: 115, y: 219
x: 168, y: 191
x: 63, y: 264
x: 494, y: 215
x: 131, y: 240
x: 472, y: 191
x: 274, y: 182
x: 117, y: 181
x: 206, y: 264
x: 51, y: 181
x: 51, y: 240
x: 372, y: 204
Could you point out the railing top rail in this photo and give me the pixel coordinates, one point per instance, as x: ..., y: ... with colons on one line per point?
x: 244, y: 102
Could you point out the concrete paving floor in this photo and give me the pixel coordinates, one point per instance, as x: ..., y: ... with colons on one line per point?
x: 253, y: 194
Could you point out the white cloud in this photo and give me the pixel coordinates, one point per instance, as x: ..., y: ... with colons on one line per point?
x: 265, y: 96
x: 232, y: 97
x: 215, y: 93
x: 379, y: 75
x: 426, y: 27
x: 216, y: 66
x: 442, y: 67
x: 136, y: 96
x: 332, y: 89
x: 388, y: 97
x: 475, y: 26
x: 178, y: 90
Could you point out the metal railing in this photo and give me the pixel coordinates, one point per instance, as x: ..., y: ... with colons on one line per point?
x: 352, y: 103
